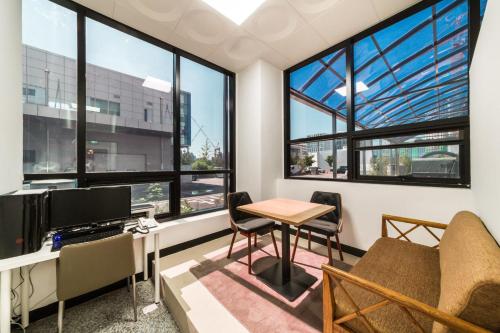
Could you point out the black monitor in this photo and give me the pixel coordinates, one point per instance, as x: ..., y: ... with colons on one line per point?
x: 85, y: 206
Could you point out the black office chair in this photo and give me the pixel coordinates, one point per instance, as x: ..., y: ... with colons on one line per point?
x: 247, y: 224
x: 328, y: 225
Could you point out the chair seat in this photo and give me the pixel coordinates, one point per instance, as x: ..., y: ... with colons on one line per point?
x: 323, y: 227
x: 254, y: 224
x: 408, y: 268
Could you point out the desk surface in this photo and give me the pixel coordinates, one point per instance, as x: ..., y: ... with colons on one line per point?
x: 288, y: 211
x: 45, y: 253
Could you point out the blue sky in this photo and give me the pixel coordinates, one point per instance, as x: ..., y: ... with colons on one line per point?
x: 53, y: 28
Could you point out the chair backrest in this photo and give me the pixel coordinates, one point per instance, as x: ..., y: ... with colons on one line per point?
x: 332, y: 199
x: 85, y: 267
x: 470, y: 273
x: 235, y: 200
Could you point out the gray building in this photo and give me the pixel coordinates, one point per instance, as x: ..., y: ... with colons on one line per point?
x: 129, y: 119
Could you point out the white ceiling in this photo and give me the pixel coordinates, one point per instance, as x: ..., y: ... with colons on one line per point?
x: 282, y: 32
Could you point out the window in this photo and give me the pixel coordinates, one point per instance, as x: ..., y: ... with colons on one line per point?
x: 202, y: 111
x: 390, y: 104
x: 49, y: 88
x: 121, y: 133
x: 130, y: 110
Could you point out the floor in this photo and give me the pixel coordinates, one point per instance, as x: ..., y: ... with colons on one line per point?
x: 206, y: 292
x: 112, y: 313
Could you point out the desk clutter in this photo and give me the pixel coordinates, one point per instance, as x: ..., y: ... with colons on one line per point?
x: 67, y: 216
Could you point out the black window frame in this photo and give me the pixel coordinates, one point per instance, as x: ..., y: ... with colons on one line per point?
x: 352, y: 135
x: 86, y: 179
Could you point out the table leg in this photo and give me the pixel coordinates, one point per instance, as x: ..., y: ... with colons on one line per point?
x: 157, y: 268
x: 145, y: 258
x: 285, y: 253
x: 5, y: 306
x: 25, y: 313
x: 284, y: 277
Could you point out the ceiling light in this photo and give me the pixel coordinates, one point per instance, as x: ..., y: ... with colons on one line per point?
x: 235, y: 10
x: 360, y: 86
x: 157, y: 84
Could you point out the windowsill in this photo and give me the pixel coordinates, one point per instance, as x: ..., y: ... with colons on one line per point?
x: 194, y: 218
x: 374, y: 182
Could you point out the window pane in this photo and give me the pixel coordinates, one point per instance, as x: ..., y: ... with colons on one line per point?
x: 202, y: 117
x: 423, y: 162
x: 129, y: 102
x: 49, y: 87
x: 319, y: 159
x: 422, y: 52
x: 317, y: 95
x: 202, y: 192
x: 157, y: 194
x: 411, y: 139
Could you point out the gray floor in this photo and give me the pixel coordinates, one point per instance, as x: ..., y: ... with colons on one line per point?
x: 112, y: 312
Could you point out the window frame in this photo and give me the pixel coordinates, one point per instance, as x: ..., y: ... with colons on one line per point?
x: 458, y: 123
x: 87, y: 179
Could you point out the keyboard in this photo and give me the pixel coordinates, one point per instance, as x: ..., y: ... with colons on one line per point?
x: 57, y: 245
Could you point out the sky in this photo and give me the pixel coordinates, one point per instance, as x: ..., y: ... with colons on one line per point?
x: 51, y: 27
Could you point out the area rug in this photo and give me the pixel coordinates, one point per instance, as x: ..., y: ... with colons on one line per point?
x: 251, y: 301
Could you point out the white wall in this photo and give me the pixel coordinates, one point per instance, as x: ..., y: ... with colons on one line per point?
x: 364, y: 204
x: 485, y: 120
x: 259, y: 127
x: 11, y: 115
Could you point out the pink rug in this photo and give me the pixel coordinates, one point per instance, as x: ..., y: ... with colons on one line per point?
x: 251, y: 301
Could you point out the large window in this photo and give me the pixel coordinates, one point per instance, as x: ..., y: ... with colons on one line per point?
x: 49, y: 88
x: 105, y: 104
x: 390, y: 104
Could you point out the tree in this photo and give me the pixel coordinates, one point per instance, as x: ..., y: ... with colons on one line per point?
x: 379, y: 165
x: 201, y: 164
x: 187, y: 157
x: 307, y: 161
x: 329, y: 160
x: 205, y: 151
x: 154, y: 193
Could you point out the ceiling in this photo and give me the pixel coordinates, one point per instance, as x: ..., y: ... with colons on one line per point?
x: 281, y: 32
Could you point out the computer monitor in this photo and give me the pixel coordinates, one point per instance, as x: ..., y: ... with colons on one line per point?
x: 85, y: 206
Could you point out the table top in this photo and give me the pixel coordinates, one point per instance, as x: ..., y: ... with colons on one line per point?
x: 288, y: 211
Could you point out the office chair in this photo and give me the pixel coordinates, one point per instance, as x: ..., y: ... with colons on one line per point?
x: 247, y: 224
x: 88, y: 266
x: 328, y: 225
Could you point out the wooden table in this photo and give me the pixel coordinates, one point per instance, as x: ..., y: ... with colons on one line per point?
x: 284, y: 277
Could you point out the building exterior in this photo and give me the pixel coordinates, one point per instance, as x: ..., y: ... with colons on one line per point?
x: 129, y: 124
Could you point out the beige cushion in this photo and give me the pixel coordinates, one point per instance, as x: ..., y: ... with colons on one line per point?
x: 470, y: 273
x: 85, y: 267
x: 408, y: 268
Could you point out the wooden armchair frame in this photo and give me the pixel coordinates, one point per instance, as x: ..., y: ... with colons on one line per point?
x: 333, y: 276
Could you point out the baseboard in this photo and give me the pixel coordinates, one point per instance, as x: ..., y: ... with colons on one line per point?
x: 320, y: 240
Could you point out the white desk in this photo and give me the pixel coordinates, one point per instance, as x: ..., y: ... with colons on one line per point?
x: 45, y: 254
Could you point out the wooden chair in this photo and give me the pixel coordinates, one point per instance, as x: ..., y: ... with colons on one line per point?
x: 402, y: 286
x: 85, y: 267
x: 328, y: 225
x: 247, y: 224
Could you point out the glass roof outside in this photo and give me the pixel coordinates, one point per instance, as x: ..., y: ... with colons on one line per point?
x: 412, y: 71
x: 320, y: 80
x: 415, y: 70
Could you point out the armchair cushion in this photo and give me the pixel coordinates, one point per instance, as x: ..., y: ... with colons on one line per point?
x: 408, y: 268
x: 470, y: 273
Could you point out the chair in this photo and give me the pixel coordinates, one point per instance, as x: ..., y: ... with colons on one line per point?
x: 328, y: 225
x: 247, y: 224
x: 85, y: 267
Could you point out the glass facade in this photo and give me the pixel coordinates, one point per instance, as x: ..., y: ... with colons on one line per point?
x: 138, y: 129
x: 49, y: 88
x: 393, y: 100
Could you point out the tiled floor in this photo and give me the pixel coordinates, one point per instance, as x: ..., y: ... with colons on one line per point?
x: 207, y: 292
